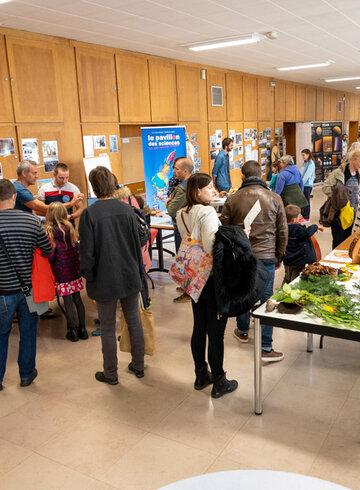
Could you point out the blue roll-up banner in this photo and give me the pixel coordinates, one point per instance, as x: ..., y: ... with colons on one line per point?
x: 161, y: 145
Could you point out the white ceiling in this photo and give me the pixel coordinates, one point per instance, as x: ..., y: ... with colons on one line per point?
x: 309, y: 31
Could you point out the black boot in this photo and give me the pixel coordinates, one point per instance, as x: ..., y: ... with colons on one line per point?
x: 222, y: 386
x: 203, y: 378
x: 82, y: 333
x: 72, y: 335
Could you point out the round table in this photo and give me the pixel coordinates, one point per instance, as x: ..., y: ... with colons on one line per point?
x: 253, y: 480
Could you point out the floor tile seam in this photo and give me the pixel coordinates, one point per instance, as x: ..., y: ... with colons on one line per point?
x: 196, y: 448
x: 73, y: 469
x: 234, y: 435
x: 210, y: 465
x: 280, y: 379
x: 20, y: 407
x: 32, y: 452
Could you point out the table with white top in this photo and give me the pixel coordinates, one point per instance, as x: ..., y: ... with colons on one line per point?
x: 253, y: 480
x: 302, y: 322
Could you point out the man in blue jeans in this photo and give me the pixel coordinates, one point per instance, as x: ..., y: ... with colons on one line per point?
x: 20, y: 234
x: 268, y: 237
x: 221, y: 170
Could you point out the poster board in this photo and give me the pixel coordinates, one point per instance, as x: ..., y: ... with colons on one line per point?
x: 132, y: 160
x: 91, y: 163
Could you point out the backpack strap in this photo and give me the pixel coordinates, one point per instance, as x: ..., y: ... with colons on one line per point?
x: 186, y: 228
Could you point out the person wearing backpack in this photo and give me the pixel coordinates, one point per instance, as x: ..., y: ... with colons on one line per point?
x: 268, y: 238
x: 200, y: 220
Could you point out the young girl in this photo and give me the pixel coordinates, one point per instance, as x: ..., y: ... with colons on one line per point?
x: 201, y: 220
x: 308, y: 177
x: 66, y: 268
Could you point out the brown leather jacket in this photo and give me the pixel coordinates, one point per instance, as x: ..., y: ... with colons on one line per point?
x: 269, y: 231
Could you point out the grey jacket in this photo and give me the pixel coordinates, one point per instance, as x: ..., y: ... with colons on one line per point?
x: 110, y: 253
x: 177, y: 199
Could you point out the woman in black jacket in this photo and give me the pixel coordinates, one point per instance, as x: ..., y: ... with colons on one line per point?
x: 111, y: 262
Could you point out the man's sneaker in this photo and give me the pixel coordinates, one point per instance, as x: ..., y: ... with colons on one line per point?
x: 271, y: 356
x: 72, y: 335
x: 138, y: 373
x: 240, y: 336
x: 100, y: 376
x: 184, y: 298
x: 27, y: 381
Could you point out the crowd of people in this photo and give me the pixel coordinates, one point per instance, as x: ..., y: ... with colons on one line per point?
x: 108, y: 249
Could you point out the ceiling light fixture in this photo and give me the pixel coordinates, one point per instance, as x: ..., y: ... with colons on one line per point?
x: 344, y: 79
x: 224, y: 42
x: 305, y: 67
x: 357, y: 88
x: 4, y: 1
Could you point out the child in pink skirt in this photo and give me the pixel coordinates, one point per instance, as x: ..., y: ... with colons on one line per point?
x: 65, y: 265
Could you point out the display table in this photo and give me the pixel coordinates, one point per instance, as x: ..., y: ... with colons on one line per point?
x: 253, y: 480
x: 302, y: 322
x: 161, y: 223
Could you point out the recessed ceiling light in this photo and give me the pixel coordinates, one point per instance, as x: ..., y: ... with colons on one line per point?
x: 344, y: 79
x: 4, y: 1
x: 357, y: 88
x: 305, y: 67
x: 224, y: 42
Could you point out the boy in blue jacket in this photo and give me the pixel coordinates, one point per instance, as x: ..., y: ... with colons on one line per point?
x: 299, y: 250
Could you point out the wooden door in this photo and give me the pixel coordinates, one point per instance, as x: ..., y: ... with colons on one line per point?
x: 216, y: 78
x: 107, y: 130
x: 6, y: 108
x: 234, y: 96
x: 188, y: 92
x: 133, y: 88
x: 265, y: 100
x: 9, y: 159
x: 163, y: 91
x: 97, y: 85
x: 35, y: 80
x: 280, y: 101
x: 250, y: 102
x: 290, y: 107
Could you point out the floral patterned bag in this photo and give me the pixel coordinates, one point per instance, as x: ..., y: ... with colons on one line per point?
x: 192, y: 266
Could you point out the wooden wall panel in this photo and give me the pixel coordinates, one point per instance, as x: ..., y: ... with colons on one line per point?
x: 133, y: 88
x: 290, y: 104
x: 310, y: 103
x: 333, y: 103
x: 266, y: 100
x: 202, y: 136
x: 234, y: 89
x: 163, y: 91
x: 250, y: 98
x: 300, y: 103
x: 35, y: 74
x: 97, y: 85
x: 212, y: 127
x: 93, y: 129
x: 188, y: 93
x: 6, y: 107
x: 216, y: 78
x: 327, y: 105
x: 280, y: 101
x: 10, y: 162
x: 319, y: 113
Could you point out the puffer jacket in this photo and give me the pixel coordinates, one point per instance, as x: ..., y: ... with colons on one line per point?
x: 238, y: 276
x: 336, y: 176
x: 269, y: 231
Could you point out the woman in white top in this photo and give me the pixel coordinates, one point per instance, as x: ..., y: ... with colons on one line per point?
x: 202, y: 222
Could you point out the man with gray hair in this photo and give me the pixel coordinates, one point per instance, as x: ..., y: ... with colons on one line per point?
x: 25, y: 201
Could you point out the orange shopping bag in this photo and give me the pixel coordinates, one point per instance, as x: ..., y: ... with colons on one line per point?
x: 43, y: 282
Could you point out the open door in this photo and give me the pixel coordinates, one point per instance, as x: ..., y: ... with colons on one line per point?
x: 290, y: 136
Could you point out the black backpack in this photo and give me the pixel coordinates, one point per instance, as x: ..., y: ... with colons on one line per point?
x: 239, y: 277
x: 142, y: 225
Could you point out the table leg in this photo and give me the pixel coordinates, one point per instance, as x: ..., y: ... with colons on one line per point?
x: 257, y: 368
x: 310, y: 342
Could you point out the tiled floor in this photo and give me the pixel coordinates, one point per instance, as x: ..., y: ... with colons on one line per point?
x: 68, y: 431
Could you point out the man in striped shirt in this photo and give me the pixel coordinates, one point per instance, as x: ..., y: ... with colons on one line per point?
x: 21, y: 232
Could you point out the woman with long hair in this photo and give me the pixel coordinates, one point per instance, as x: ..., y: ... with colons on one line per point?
x: 308, y: 178
x: 65, y: 265
x: 200, y: 220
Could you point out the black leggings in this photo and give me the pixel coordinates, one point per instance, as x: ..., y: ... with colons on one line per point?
x: 206, y: 322
x: 69, y: 302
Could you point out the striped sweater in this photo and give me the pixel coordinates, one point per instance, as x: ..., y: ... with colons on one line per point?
x: 22, y: 233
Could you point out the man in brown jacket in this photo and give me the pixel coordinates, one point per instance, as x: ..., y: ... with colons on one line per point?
x: 268, y: 237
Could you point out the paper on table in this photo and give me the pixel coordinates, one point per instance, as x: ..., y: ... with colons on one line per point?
x: 250, y: 217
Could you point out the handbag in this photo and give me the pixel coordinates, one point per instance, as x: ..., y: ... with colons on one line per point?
x: 42, y: 278
x: 347, y: 216
x: 33, y: 306
x: 148, y: 325
x: 192, y: 267
x: 292, y: 194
